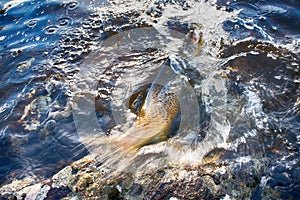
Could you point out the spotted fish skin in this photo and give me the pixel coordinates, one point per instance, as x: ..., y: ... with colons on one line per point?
x: 154, y: 121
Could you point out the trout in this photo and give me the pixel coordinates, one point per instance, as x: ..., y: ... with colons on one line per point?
x: 155, y: 120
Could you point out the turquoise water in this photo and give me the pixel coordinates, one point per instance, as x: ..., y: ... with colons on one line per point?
x: 44, y: 44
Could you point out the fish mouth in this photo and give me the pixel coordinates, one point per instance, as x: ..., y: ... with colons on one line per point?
x: 137, y: 99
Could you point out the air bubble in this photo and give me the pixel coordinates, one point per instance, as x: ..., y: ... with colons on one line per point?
x: 262, y: 18
x: 32, y: 23
x: 274, y: 28
x: 72, y: 5
x: 50, y: 125
x: 50, y: 30
x: 64, y: 21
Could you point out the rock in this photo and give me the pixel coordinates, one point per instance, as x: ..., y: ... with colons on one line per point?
x: 62, y: 178
x: 42, y: 194
x: 87, y: 179
x: 16, y: 186
x: 31, y: 191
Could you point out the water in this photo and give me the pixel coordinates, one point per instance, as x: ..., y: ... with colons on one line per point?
x: 69, y: 68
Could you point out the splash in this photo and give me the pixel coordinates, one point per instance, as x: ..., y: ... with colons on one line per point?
x: 133, y: 58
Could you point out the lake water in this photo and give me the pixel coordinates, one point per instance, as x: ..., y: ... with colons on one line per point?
x: 69, y: 68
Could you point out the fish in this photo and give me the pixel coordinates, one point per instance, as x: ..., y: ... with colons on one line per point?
x: 155, y: 119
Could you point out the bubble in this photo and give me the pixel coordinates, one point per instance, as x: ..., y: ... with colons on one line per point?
x: 64, y: 21
x: 31, y: 23
x: 74, y: 32
x: 50, y: 125
x: 262, y: 18
x: 49, y: 30
x: 25, y: 64
x: 274, y: 28
x: 72, y: 5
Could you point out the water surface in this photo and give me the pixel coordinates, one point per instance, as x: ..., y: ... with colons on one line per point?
x: 245, y: 79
